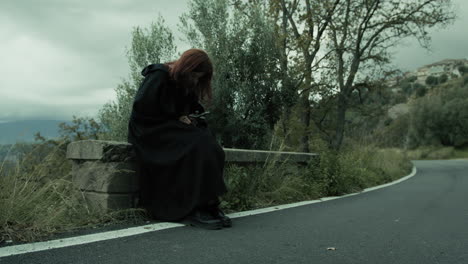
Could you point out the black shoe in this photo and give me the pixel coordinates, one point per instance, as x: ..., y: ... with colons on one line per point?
x: 225, y: 220
x: 204, y: 220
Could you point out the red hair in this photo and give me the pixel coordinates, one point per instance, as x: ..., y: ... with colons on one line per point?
x: 193, y: 63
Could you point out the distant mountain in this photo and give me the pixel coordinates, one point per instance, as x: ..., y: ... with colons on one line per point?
x: 23, y: 131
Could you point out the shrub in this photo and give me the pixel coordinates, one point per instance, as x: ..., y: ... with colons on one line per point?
x: 432, y: 80
x: 463, y: 70
x: 412, y: 79
x: 431, y: 153
x: 440, y: 118
x: 443, y: 78
x: 407, y: 88
x: 360, y: 167
x: 271, y: 184
x: 420, y: 90
x: 332, y: 174
x: 395, y: 134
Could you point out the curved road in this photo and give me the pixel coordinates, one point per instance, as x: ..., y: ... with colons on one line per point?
x: 421, y: 220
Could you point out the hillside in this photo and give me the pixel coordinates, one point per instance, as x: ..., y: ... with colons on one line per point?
x: 435, y: 114
x: 23, y: 131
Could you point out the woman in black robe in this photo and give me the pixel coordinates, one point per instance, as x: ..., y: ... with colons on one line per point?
x: 179, y: 162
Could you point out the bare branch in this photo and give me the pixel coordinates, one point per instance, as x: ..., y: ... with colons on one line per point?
x: 291, y: 20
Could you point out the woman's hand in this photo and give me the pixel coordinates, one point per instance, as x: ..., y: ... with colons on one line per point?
x: 185, y: 120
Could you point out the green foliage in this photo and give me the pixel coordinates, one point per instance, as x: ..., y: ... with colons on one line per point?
x: 333, y: 173
x: 441, y: 117
x: 432, y: 80
x: 154, y: 44
x: 443, y: 78
x: 431, y: 153
x: 463, y: 69
x: 409, y: 88
x: 394, y: 133
x: 81, y: 128
x: 420, y: 90
x: 360, y: 167
x: 398, y: 98
x: 247, y: 96
x: 412, y: 79
x: 366, y: 49
x: 437, y: 153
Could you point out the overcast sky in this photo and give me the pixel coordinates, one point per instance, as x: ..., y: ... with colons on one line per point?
x: 60, y: 58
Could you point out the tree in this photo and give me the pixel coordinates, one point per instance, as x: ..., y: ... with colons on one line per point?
x: 420, y: 90
x: 443, y: 78
x: 313, y: 17
x: 412, y: 79
x: 463, y: 70
x: 432, y: 80
x: 440, y: 118
x: 154, y: 44
x: 362, y: 33
x: 246, y: 83
x: 81, y: 128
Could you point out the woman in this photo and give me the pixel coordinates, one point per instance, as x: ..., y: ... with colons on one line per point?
x: 180, y: 164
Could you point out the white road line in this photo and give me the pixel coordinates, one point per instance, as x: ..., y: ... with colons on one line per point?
x: 79, y: 240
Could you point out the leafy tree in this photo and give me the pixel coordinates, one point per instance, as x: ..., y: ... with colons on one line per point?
x: 154, y: 44
x: 440, y: 117
x: 419, y: 89
x: 81, y: 128
x: 463, y: 69
x: 407, y: 88
x: 394, y: 134
x: 242, y: 45
x: 412, y: 79
x: 432, y: 80
x: 443, y: 78
x: 301, y: 27
x: 361, y: 33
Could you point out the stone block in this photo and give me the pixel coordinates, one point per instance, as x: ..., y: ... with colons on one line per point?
x: 104, y: 202
x: 100, y: 150
x: 108, y: 177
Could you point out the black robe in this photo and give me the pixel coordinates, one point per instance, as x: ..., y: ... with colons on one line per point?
x: 180, y: 166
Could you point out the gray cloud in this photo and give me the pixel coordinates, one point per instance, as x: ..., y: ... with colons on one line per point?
x: 447, y: 43
x: 61, y: 58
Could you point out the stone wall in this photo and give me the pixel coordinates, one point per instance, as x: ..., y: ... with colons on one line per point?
x: 105, y: 170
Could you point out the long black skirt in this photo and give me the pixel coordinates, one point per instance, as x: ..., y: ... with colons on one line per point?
x: 180, y: 168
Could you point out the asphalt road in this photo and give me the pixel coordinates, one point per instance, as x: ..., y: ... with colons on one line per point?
x: 421, y: 220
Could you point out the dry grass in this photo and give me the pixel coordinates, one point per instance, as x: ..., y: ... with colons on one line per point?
x: 38, y: 198
x: 437, y: 153
x: 331, y: 174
